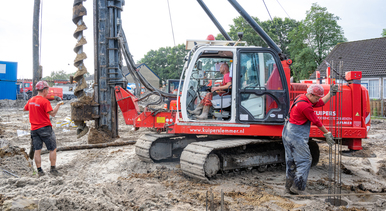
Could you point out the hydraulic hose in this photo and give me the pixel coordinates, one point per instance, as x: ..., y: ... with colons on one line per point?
x: 137, y: 76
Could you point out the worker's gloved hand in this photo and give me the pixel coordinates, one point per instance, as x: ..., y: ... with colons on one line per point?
x: 329, y: 138
x: 59, y: 100
x: 334, y: 89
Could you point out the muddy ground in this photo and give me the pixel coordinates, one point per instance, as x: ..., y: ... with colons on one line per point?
x: 115, y: 179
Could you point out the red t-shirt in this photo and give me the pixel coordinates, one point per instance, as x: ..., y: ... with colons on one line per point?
x: 303, y: 111
x: 226, y: 79
x: 38, y: 108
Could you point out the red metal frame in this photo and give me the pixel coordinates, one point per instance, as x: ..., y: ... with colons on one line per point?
x: 354, y: 118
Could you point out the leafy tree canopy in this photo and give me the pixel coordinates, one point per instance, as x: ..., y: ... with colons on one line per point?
x: 384, y: 33
x: 58, y: 75
x: 166, y: 62
x: 313, y: 40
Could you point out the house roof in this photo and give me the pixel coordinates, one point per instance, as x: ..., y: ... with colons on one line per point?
x: 367, y: 56
x: 125, y: 71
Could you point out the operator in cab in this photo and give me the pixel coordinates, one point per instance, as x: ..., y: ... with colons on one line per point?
x: 206, y: 103
x: 296, y: 133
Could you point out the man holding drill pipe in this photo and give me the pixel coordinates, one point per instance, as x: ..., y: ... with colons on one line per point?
x: 296, y: 133
x: 41, y: 129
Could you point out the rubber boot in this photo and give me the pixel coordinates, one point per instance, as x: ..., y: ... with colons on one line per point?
x: 204, y: 114
x: 287, y: 188
x: 296, y: 190
x: 197, y: 110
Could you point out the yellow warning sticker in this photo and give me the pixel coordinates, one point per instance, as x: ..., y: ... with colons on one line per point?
x: 160, y: 119
x: 139, y: 119
x: 357, y: 114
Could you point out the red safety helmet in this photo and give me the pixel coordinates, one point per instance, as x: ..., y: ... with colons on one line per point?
x: 316, y: 89
x: 41, y: 85
x: 210, y: 37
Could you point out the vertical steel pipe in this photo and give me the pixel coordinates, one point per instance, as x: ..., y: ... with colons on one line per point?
x: 35, y: 46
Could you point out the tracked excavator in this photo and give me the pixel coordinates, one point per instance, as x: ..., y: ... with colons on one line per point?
x: 243, y: 128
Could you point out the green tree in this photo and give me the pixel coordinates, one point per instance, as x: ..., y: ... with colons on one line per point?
x: 313, y: 40
x: 166, y: 62
x: 384, y: 33
x: 58, y: 75
x: 278, y: 29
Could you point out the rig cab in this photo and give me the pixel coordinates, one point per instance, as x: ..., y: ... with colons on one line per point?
x: 259, y: 90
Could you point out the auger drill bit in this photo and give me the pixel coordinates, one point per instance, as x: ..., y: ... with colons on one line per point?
x: 77, y: 17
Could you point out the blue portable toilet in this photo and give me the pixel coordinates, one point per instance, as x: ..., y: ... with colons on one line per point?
x: 8, y: 79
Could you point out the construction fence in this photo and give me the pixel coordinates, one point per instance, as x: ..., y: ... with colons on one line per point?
x: 377, y: 94
x: 377, y: 109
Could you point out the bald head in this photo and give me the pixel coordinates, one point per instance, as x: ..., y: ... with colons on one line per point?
x: 224, y: 68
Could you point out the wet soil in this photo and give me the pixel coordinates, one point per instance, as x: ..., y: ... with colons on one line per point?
x: 99, y: 136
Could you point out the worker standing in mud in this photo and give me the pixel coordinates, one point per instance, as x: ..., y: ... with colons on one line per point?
x: 41, y: 128
x: 296, y: 133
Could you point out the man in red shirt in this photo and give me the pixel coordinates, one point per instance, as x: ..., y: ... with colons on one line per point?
x: 296, y: 134
x: 206, y: 103
x: 41, y: 129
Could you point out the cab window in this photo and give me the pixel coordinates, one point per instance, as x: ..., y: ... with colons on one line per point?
x: 260, y: 88
x: 259, y: 71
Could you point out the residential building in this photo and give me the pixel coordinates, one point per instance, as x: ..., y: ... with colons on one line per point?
x: 367, y: 56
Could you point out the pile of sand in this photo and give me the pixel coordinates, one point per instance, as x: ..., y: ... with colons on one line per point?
x: 14, y: 161
x: 12, y: 103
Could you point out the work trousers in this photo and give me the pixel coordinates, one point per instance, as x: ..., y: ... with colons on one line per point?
x: 297, y: 154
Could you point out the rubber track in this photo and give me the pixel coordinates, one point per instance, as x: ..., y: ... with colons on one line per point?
x: 144, y: 143
x: 194, y: 155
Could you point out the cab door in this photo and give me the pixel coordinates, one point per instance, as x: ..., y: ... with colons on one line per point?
x: 262, y: 96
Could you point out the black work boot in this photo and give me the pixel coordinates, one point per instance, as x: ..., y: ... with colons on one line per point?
x: 41, y: 173
x: 55, y: 172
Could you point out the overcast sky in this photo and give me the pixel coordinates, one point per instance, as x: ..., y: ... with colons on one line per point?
x: 147, y: 25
